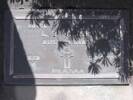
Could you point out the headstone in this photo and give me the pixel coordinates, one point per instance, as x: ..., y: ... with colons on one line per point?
x: 31, y: 52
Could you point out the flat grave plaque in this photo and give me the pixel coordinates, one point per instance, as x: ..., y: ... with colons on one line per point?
x: 32, y: 52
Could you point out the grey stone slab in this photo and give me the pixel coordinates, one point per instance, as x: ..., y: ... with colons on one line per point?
x: 32, y: 55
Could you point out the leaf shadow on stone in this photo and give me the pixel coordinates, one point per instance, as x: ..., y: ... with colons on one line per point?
x: 102, y: 37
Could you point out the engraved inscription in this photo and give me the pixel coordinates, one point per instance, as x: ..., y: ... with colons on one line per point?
x: 41, y: 45
x: 49, y: 42
x: 33, y: 58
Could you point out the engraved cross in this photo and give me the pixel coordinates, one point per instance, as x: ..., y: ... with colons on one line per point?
x: 67, y: 54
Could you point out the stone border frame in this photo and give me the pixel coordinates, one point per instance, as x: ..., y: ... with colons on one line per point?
x: 27, y: 81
